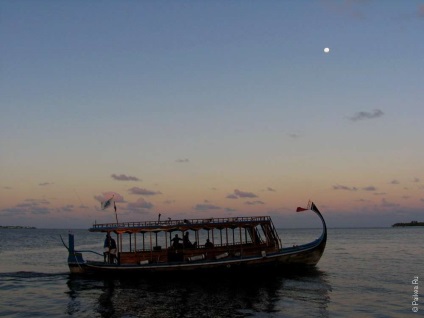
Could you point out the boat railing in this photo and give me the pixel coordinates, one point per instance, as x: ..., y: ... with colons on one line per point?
x: 199, y: 247
x: 176, y: 223
x: 190, y: 254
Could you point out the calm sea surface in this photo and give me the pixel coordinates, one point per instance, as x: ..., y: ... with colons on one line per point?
x: 363, y: 273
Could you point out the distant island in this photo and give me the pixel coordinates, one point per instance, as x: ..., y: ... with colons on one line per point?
x: 412, y: 223
x: 17, y: 227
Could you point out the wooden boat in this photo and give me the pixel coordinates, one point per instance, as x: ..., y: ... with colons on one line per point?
x: 221, y: 244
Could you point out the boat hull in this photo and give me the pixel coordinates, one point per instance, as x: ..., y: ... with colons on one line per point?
x: 294, y: 257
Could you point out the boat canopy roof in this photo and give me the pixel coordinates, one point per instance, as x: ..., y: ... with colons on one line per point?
x: 182, y: 225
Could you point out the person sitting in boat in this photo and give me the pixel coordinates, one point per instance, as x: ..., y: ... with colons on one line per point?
x: 109, y: 249
x: 208, y: 244
x: 176, y: 242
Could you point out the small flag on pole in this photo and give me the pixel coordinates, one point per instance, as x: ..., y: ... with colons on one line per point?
x: 107, y: 203
x: 299, y: 209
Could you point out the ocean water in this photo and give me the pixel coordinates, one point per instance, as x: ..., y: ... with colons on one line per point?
x: 363, y: 273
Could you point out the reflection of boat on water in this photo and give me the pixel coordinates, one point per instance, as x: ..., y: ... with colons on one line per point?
x: 306, y: 292
x: 232, y: 244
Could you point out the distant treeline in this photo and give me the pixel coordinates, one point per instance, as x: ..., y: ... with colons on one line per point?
x: 412, y: 223
x: 16, y: 227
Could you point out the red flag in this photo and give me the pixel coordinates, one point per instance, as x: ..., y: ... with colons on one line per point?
x: 299, y: 209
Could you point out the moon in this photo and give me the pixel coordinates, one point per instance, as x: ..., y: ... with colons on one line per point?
x: 326, y: 50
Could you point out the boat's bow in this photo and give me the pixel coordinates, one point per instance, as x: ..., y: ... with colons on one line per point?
x: 323, y: 238
x: 307, y: 254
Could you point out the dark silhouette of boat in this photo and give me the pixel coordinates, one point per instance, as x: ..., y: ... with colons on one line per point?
x: 221, y: 245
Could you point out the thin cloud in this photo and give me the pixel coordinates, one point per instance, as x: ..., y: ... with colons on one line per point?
x: 345, y: 188
x: 416, y: 180
x: 66, y: 208
x: 244, y: 194
x: 124, y: 177
x: 257, y: 202
x: 206, y: 207
x: 387, y: 204
x: 37, y: 201
x: 232, y: 196
x: 40, y: 210
x: 28, y: 206
x: 369, y: 188
x: 14, y: 211
x: 294, y: 135
x: 140, y: 191
x: 169, y: 201
x: 140, y: 205
x: 270, y: 189
x: 362, y: 200
x: 367, y: 115
x: 394, y: 181
x: 43, y: 184
x: 185, y: 160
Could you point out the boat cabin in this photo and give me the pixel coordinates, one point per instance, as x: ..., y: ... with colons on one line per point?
x: 191, y: 240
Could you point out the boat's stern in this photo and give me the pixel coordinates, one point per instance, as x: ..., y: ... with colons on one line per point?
x: 75, y: 261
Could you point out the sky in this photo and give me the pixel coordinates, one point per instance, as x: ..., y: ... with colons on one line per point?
x: 198, y: 109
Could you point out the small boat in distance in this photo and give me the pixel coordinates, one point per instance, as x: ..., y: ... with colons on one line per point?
x: 221, y: 244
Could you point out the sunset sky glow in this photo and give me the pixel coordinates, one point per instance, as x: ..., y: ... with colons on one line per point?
x: 212, y: 108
